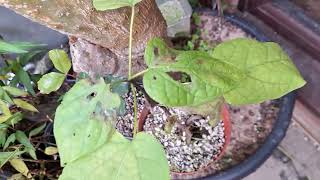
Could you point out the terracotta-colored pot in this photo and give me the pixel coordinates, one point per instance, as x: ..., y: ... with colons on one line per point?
x: 195, y: 174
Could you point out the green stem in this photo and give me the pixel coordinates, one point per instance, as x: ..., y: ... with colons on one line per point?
x: 130, y: 42
x: 138, y: 74
x: 135, y: 121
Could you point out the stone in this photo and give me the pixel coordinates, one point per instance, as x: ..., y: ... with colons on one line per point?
x: 177, y: 14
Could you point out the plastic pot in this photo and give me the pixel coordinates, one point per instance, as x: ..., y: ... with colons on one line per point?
x: 280, y: 126
x: 227, y: 135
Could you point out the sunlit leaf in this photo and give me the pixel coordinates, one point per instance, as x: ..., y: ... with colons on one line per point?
x: 50, y: 82
x: 21, y: 167
x: 143, y: 158
x: 51, y: 151
x: 210, y: 77
x: 24, y: 105
x: 83, y: 121
x: 270, y: 73
x: 4, y: 96
x: 5, y: 112
x: 14, y: 119
x: 60, y: 60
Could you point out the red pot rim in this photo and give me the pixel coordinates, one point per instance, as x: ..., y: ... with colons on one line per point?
x: 227, y: 134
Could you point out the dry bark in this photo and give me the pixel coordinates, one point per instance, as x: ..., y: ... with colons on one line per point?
x: 109, y: 29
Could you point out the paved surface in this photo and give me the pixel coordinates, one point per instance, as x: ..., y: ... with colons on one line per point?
x: 297, y: 158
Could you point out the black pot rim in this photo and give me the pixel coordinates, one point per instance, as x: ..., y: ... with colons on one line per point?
x: 280, y: 127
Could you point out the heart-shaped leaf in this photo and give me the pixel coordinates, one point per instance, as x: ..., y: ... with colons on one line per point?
x: 83, y: 120
x: 270, y: 73
x: 120, y: 159
x: 103, y: 5
x: 50, y: 82
x: 210, y: 78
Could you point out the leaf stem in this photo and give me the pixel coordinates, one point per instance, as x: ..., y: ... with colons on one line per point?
x: 135, y: 121
x: 130, y: 42
x: 138, y: 74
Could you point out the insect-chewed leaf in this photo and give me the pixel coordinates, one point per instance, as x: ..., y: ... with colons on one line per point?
x: 83, y: 120
x: 270, y: 73
x: 103, y: 5
x: 60, y: 60
x: 141, y: 159
x: 210, y: 78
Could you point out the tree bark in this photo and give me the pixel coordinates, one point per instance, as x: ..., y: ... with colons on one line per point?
x: 91, y: 29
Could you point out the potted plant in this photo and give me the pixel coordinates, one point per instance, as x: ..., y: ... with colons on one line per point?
x: 194, y: 84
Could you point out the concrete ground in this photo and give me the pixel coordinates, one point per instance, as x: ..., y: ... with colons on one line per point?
x: 297, y: 158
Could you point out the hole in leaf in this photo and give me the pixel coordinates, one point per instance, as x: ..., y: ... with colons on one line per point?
x: 156, y: 51
x: 74, y: 134
x: 180, y: 76
x: 92, y: 95
x: 154, y: 78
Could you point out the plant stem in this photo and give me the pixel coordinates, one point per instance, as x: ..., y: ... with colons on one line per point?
x: 130, y: 42
x: 135, y: 121
x: 138, y: 74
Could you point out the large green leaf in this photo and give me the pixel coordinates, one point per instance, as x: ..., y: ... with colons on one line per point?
x: 103, y: 5
x: 270, y: 73
x: 60, y: 60
x: 120, y: 159
x: 210, y: 77
x: 83, y: 120
x: 50, y: 82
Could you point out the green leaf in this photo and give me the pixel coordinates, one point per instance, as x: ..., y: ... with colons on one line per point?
x: 141, y: 159
x: 83, y: 120
x: 50, y: 82
x: 103, y: 5
x: 210, y: 78
x: 24, y: 78
x: 5, y: 112
x: 17, y: 47
x: 20, y: 166
x: 3, y: 136
x: 4, y: 96
x: 6, y: 156
x: 60, y: 60
x: 270, y: 73
x: 14, y: 119
x: 25, y: 58
x: 10, y: 139
x: 23, y: 139
x: 37, y: 130
x: 15, y: 91
x: 51, y: 151
x: 24, y: 105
